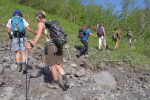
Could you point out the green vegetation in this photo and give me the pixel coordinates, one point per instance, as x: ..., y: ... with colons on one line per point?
x: 73, y: 14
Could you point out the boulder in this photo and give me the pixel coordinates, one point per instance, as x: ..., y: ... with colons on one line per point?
x: 104, y: 79
x: 80, y: 72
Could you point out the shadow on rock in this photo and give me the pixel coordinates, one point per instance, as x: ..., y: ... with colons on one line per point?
x: 43, y: 71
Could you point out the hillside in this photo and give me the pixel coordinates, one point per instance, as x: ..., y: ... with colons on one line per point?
x: 137, y: 56
x: 121, y: 74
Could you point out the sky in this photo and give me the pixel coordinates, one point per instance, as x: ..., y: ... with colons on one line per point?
x: 116, y: 3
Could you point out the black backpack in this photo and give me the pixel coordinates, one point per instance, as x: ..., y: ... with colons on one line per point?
x: 59, y: 37
x: 81, y: 33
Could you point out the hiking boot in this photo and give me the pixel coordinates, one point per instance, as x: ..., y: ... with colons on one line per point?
x: 52, y: 85
x: 19, y: 67
x: 65, y: 81
x: 60, y: 85
x: 24, y: 68
x: 78, y: 55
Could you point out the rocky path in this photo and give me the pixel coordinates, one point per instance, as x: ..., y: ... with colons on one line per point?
x: 109, y: 81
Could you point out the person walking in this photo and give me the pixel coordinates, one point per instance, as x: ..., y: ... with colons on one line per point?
x: 16, y: 30
x: 101, y: 34
x: 129, y: 37
x: 116, y: 37
x: 53, y: 54
x: 84, y: 33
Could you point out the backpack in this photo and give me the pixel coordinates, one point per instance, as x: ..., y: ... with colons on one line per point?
x: 100, y: 31
x: 59, y: 37
x: 129, y: 34
x: 81, y: 33
x: 18, y: 27
x: 114, y: 36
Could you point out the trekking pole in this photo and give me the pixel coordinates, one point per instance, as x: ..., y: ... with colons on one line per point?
x: 10, y: 49
x: 68, y: 52
x: 26, y: 75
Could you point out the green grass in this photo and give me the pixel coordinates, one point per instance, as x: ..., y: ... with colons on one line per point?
x: 7, y: 7
x: 137, y: 56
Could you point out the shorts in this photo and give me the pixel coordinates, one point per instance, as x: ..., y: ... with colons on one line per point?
x: 53, y: 54
x: 18, y: 44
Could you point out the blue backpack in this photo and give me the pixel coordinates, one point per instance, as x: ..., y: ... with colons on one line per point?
x: 18, y: 27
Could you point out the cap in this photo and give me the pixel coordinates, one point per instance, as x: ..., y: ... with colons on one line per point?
x: 17, y: 12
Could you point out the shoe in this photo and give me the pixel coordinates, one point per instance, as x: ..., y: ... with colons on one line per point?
x: 60, y: 85
x: 19, y: 67
x: 24, y: 68
x: 52, y: 85
x: 66, y: 85
x: 77, y: 55
x: 65, y: 81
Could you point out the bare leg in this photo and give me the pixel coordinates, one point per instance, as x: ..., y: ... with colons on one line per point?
x: 54, y: 72
x: 60, y: 69
x: 64, y: 77
x: 116, y: 44
x: 18, y: 56
x: 55, y: 76
x: 23, y: 54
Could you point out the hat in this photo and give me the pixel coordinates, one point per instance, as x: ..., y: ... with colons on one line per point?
x: 41, y: 14
x: 17, y: 12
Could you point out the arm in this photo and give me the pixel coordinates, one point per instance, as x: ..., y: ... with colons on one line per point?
x: 29, y: 29
x: 119, y: 35
x: 103, y: 29
x: 8, y: 28
x: 39, y: 33
x: 93, y: 35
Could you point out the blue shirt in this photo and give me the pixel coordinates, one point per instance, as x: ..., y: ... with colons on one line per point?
x: 87, y: 33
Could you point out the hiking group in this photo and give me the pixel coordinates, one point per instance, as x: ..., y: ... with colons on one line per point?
x: 84, y: 33
x: 53, y: 49
x: 56, y: 38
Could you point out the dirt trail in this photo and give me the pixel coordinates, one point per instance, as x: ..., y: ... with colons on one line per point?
x: 90, y: 78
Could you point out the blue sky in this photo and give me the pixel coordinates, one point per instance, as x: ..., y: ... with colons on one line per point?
x: 116, y: 3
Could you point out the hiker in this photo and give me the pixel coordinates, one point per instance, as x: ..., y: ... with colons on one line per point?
x: 84, y: 33
x: 53, y: 54
x: 116, y: 37
x: 129, y: 37
x: 16, y: 30
x: 101, y: 34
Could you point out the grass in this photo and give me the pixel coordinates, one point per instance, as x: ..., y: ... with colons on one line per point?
x: 137, y: 56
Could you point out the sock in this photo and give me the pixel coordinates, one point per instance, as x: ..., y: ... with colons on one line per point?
x: 60, y: 85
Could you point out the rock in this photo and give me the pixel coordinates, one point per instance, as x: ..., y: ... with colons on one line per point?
x: 71, y: 71
x: 6, y: 65
x: 36, y: 73
x: 142, y: 93
x: 66, y: 46
x: 72, y: 85
x: 13, y: 67
x: 6, y: 59
x: 1, y: 69
x: 80, y: 72
x: 21, y: 97
x: 104, y: 79
x: 66, y: 97
x: 102, y: 66
x: 8, y: 94
x: 130, y: 96
x: 145, y: 85
x: 41, y: 65
x: 64, y: 60
x: 30, y: 60
x: 73, y: 65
